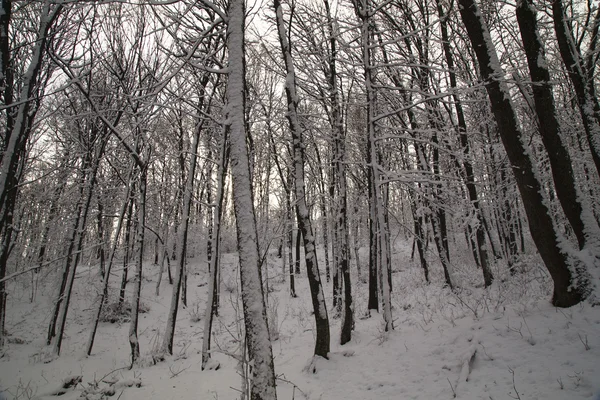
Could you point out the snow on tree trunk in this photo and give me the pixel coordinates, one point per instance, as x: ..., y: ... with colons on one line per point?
x: 579, y: 214
x: 341, y: 197
x: 581, y: 74
x: 364, y: 13
x: 568, y: 273
x: 260, y: 352
x: 304, y: 223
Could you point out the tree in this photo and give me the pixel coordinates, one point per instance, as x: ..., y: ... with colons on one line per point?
x: 568, y: 273
x: 255, y: 316
x: 364, y: 13
x: 581, y: 70
x: 20, y: 113
x: 304, y: 222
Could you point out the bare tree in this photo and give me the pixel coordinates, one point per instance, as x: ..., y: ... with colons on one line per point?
x: 304, y: 222
x: 568, y: 272
x: 255, y: 316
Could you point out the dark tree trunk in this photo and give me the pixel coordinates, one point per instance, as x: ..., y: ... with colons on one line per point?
x: 322, y: 344
x: 560, y: 160
x: 568, y: 289
x: 581, y: 74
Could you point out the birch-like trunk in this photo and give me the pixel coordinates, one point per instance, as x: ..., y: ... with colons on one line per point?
x: 260, y: 352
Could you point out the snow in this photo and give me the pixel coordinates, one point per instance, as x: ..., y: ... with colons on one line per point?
x: 478, y: 343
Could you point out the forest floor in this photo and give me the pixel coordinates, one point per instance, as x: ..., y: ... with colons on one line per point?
x: 501, y: 343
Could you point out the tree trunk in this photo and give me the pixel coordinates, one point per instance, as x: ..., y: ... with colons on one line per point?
x: 134, y: 343
x: 181, y: 277
x: 211, y: 302
x: 255, y: 315
x: 579, y: 215
x: 479, y: 253
x: 582, y: 75
x: 19, y: 119
x: 104, y: 294
x: 304, y: 222
x: 364, y: 13
x: 570, y: 287
x: 79, y: 236
x: 127, y: 246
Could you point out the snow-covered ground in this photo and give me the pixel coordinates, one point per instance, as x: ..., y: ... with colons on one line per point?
x: 502, y: 343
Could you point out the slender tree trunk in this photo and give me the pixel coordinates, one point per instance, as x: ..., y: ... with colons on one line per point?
x: 211, y: 303
x: 68, y: 260
x: 479, y: 253
x: 104, y: 294
x: 304, y: 222
x: 341, y: 199
x: 181, y: 280
x: 134, y: 343
x: 255, y: 315
x: 81, y: 227
x: 127, y: 246
x: 18, y: 126
x: 290, y: 234
x: 298, y: 250
x: 373, y: 303
x: 364, y: 14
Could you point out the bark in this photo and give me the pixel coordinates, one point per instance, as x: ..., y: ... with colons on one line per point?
x: 579, y: 216
x: 582, y: 76
x: 341, y: 198
x: 68, y: 261
x: 290, y: 236
x: 255, y: 317
x: 373, y: 303
x: 127, y: 246
x: 322, y: 345
x: 569, y: 276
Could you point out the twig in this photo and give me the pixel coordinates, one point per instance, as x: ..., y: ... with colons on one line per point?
x: 291, y: 383
x: 585, y: 343
x: 174, y: 374
x: 518, y: 396
x: 451, y: 387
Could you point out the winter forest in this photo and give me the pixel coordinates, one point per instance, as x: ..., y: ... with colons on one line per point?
x: 299, y: 199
